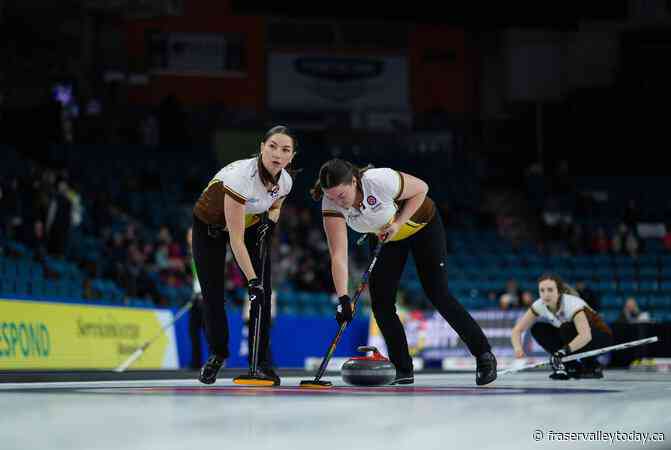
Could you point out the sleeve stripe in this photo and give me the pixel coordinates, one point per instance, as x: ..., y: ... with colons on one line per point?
x: 331, y: 213
x: 234, y: 195
x: 534, y: 312
x: 401, y: 185
x: 213, y: 181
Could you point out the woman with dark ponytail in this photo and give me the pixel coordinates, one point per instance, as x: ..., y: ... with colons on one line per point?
x: 229, y: 211
x: 571, y: 325
x: 394, y: 207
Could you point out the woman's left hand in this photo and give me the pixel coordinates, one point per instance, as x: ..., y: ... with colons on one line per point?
x: 388, y: 231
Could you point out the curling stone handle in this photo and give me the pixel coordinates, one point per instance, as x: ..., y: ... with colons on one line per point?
x: 369, y: 348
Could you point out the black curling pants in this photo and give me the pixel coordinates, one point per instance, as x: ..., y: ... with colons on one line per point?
x: 195, y: 325
x: 552, y: 338
x: 429, y: 249
x: 209, y: 253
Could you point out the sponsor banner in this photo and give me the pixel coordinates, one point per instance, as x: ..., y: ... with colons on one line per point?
x: 431, y: 338
x: 194, y: 53
x: 325, y: 82
x: 651, y: 230
x: 41, y: 335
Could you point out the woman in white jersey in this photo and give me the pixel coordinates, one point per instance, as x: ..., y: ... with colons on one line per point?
x: 393, y: 206
x: 229, y: 211
x: 570, y: 325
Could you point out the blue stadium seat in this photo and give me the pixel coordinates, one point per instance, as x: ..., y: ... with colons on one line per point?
x: 491, y: 285
x: 660, y: 302
x: 628, y: 285
x: 654, y: 246
x: 643, y: 301
x: 647, y: 260
x: 601, y: 260
x: 605, y: 286
x: 622, y: 260
x: 6, y: 286
x: 665, y: 273
x: 612, y: 301
x: 648, y: 285
x: 582, y: 273
x: 648, y: 272
x: 21, y: 286
x: 458, y: 285
x: 529, y: 285
x: 603, y: 273
x: 626, y: 272
x: 610, y: 315
x: 38, y: 287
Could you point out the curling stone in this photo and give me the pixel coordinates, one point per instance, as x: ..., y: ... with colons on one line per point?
x: 373, y: 370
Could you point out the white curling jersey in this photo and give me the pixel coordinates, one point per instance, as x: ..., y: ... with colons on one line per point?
x: 241, y: 181
x: 381, y: 191
x: 569, y: 306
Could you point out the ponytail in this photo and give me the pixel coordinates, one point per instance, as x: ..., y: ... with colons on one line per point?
x: 336, y: 172
x: 316, y: 192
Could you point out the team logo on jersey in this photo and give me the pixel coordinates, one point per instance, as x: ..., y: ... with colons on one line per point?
x: 371, y: 200
x: 275, y: 192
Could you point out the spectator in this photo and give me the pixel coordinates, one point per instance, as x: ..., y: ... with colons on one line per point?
x: 619, y: 237
x: 149, y: 130
x: 235, y: 279
x: 511, y: 295
x: 600, y: 242
x: 551, y: 221
x: 77, y: 208
x: 578, y: 240
x: 37, y: 240
x: 507, y: 301
x: 632, y: 214
x: 135, y: 269
x: 10, y: 209
x: 667, y: 238
x: 631, y: 313
x: 632, y: 244
x: 161, y: 257
x: 527, y: 299
x: 59, y: 220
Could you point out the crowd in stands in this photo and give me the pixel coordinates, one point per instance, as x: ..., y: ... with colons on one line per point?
x: 41, y: 210
x: 574, y: 220
x: 50, y: 212
x: 514, y: 297
x: 45, y: 211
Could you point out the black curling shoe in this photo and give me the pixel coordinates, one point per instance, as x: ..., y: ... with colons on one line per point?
x: 486, y: 369
x: 403, y: 377
x: 209, y: 372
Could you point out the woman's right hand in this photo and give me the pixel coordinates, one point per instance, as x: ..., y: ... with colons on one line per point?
x: 519, y: 353
x: 344, y: 311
